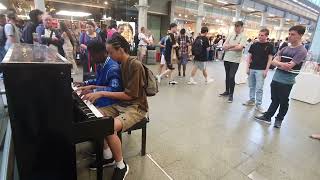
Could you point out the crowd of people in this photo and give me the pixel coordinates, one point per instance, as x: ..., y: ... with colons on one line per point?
x: 118, y: 86
x: 261, y: 56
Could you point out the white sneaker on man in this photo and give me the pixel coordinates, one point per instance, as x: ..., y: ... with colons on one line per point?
x: 259, y: 109
x: 192, y: 82
x: 208, y: 81
x: 173, y: 82
x: 158, y: 78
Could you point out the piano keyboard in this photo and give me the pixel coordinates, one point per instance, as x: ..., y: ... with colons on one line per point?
x: 89, y: 108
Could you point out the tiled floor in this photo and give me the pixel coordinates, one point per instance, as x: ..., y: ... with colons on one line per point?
x: 196, y: 135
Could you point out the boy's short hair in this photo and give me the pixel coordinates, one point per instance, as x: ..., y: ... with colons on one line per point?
x: 204, y: 30
x: 299, y: 29
x: 265, y: 30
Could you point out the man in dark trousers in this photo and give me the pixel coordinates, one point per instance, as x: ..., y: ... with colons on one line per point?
x: 287, y: 59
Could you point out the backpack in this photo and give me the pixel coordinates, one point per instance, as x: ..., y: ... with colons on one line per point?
x: 3, y: 39
x: 136, y: 39
x: 197, y: 47
x: 151, y: 83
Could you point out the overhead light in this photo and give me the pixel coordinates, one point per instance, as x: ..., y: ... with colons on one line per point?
x: 180, y: 15
x: 222, y: 2
x: 73, y: 13
x: 185, y: 16
x: 106, y: 3
x: 23, y: 16
x: 2, y: 7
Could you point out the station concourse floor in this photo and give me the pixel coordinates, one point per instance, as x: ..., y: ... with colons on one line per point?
x: 195, y: 135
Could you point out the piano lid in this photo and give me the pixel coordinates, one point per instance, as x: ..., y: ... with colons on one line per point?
x: 30, y: 53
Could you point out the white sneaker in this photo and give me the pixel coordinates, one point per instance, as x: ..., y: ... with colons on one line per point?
x: 173, y: 82
x: 209, y: 81
x: 192, y: 83
x: 259, y: 109
x: 249, y: 103
x: 158, y: 78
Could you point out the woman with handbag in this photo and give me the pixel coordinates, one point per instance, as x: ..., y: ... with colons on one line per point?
x: 90, y: 35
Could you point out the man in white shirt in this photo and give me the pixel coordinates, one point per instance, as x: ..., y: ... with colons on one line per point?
x: 11, y: 31
x: 143, y: 43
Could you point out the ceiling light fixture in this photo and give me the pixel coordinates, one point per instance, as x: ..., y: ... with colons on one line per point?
x: 73, y: 13
x: 222, y: 2
x: 106, y: 3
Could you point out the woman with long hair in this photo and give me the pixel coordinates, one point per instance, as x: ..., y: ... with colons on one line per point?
x: 69, y: 45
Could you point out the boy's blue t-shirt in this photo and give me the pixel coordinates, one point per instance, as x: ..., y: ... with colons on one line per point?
x: 108, y: 75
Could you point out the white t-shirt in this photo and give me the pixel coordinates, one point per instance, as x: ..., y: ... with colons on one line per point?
x: 11, y: 30
x: 142, y: 36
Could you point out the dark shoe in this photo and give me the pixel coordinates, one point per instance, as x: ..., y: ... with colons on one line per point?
x: 120, y: 174
x: 263, y: 118
x: 230, y: 99
x: 105, y: 163
x: 224, y: 94
x: 179, y: 74
x: 277, y: 124
x: 184, y: 74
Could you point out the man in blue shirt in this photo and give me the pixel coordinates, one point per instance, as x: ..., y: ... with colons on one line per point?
x: 108, y: 76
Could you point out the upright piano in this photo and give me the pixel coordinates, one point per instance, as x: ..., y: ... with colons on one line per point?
x: 47, y: 117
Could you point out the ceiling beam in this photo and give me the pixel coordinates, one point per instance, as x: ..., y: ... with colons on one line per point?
x: 79, y: 3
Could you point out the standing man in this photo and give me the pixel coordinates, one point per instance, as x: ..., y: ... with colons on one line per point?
x: 2, y: 36
x: 170, y: 43
x: 143, y: 43
x: 11, y: 31
x: 200, y: 50
x: 259, y: 61
x: 287, y: 59
x: 47, y: 35
x: 35, y: 19
x: 233, y: 48
x: 183, y: 41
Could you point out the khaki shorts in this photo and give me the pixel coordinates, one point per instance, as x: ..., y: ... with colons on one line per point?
x: 200, y: 65
x: 128, y: 116
x: 142, y: 50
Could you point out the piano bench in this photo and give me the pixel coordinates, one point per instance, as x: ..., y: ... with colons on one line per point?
x: 143, y: 126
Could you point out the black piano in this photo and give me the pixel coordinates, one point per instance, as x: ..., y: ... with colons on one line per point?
x: 47, y: 117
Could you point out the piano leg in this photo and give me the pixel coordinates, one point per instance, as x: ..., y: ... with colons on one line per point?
x: 99, y: 158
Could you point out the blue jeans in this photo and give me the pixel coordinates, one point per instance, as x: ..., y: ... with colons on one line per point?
x: 2, y: 53
x: 256, y: 82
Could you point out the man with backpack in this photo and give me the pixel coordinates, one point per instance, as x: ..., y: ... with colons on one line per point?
x: 2, y: 36
x: 170, y: 44
x: 30, y: 28
x: 200, y: 50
